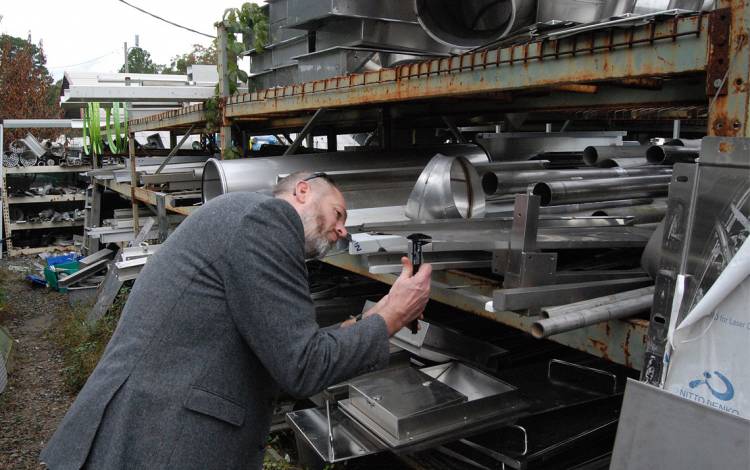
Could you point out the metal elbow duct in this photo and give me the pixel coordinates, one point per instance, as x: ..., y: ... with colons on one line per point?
x: 448, y: 188
x: 256, y: 174
x: 472, y: 23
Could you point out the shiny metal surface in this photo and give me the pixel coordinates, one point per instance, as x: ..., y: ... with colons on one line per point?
x: 521, y: 298
x: 485, y: 398
x: 598, y: 155
x: 254, y: 174
x: 511, y: 182
x: 309, y: 14
x: 379, y: 34
x: 471, y: 23
x: 514, y: 146
x: 433, y: 339
x: 582, y: 11
x: 491, y: 234
x: 448, y: 188
x: 667, y: 155
x: 350, y: 440
x: 394, y: 397
x: 707, y: 220
x: 614, y: 308
x: 566, y: 192
x: 697, y: 436
x: 642, y: 214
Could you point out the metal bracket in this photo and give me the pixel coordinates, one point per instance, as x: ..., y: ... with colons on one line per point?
x: 526, y: 266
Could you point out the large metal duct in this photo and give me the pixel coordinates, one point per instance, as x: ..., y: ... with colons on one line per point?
x: 255, y: 174
x: 512, y: 182
x: 448, y: 188
x: 568, y: 192
x: 471, y: 23
x: 642, y: 214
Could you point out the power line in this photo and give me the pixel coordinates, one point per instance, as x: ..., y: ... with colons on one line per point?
x: 85, y: 62
x: 167, y: 21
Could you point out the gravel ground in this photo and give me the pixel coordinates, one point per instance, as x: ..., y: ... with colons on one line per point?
x: 36, y: 398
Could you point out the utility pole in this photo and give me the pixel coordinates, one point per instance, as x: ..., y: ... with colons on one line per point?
x: 125, y: 52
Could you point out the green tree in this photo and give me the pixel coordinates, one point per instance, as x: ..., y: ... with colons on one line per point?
x: 198, y: 55
x: 139, y: 61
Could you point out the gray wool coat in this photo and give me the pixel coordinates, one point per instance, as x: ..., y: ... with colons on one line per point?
x: 218, y: 320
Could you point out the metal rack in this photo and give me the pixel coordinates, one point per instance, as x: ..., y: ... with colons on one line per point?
x: 8, y: 201
x: 694, y: 67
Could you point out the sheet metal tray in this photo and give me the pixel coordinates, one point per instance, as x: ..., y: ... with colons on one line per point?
x: 452, y: 396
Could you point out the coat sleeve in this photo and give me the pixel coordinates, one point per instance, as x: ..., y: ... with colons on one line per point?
x: 269, y: 300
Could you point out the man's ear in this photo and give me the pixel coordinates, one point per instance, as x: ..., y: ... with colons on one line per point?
x: 303, y: 191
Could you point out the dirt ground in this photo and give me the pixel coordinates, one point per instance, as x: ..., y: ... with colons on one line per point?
x: 36, y: 397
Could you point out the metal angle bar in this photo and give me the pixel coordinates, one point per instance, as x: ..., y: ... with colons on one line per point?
x: 525, y: 297
x: 174, y: 150
x: 305, y: 132
x: 84, y: 273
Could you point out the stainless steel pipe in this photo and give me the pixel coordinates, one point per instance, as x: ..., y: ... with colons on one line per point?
x: 598, y: 155
x: 670, y: 154
x: 255, y: 174
x: 511, y: 182
x: 472, y: 23
x: 616, y: 307
x: 561, y: 310
x: 642, y: 214
x: 568, y: 192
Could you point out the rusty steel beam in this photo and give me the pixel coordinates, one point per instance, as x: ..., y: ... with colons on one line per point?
x: 620, y: 341
x: 665, y: 48
x: 178, y: 118
x: 728, y: 74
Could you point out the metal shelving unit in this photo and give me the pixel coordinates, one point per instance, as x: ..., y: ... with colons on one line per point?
x: 694, y: 66
x: 7, y: 201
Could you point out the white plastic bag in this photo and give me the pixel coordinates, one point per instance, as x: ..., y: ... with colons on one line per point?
x: 711, y: 346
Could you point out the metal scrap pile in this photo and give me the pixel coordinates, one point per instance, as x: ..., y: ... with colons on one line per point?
x: 29, y: 151
x: 559, y: 217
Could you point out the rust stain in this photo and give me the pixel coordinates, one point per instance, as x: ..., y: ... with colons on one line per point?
x: 601, y: 347
x: 626, y: 349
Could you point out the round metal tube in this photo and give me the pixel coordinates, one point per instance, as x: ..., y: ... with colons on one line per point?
x: 511, y: 182
x: 690, y: 143
x: 618, y: 309
x: 560, y: 310
x: 670, y: 154
x: 567, y: 192
x: 255, y: 174
x: 448, y: 188
x: 473, y: 23
x: 595, y: 155
x: 642, y: 214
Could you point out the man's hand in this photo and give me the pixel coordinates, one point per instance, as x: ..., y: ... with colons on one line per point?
x: 407, y: 298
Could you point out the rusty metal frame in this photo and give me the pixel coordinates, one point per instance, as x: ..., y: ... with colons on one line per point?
x: 729, y: 109
x: 620, y: 341
x: 676, y: 46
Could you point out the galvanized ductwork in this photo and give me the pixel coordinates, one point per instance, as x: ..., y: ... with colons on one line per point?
x: 255, y: 174
x: 472, y: 23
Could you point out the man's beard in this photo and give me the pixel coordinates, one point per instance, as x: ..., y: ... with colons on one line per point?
x: 316, y: 243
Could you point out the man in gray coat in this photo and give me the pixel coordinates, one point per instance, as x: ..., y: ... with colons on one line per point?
x: 218, y: 320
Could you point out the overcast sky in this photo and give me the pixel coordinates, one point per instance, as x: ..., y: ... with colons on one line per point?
x: 88, y: 35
